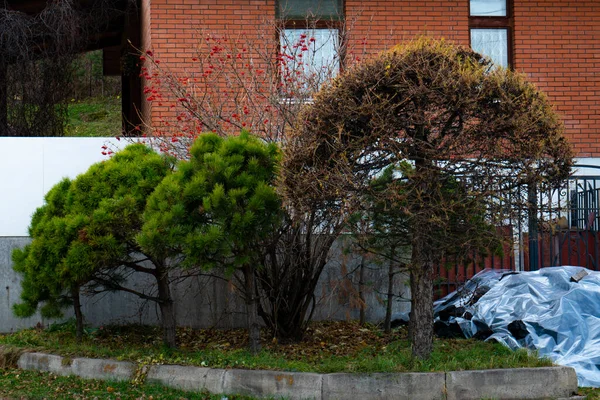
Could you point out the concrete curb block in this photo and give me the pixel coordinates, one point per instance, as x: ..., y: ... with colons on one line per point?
x: 422, y: 386
x: 45, y: 362
x: 187, y: 378
x: 290, y: 385
x: 93, y: 368
x: 89, y: 368
x: 522, y: 383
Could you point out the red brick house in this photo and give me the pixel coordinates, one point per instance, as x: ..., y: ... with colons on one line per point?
x: 556, y: 43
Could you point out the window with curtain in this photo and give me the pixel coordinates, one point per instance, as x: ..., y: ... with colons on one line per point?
x: 309, y: 41
x: 490, y: 25
x: 311, y: 56
x: 488, y: 8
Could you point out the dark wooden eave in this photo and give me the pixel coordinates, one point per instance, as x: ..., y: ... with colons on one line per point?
x: 30, y: 7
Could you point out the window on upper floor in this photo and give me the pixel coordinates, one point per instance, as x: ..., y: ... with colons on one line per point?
x: 490, y: 24
x: 488, y: 8
x: 309, y: 42
x: 309, y: 56
x: 301, y: 10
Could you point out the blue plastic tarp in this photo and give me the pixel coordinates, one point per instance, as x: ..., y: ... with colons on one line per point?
x: 543, y: 310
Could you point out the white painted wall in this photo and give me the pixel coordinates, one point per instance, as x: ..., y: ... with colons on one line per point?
x: 29, y: 167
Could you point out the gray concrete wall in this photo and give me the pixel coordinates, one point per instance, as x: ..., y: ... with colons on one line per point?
x: 10, y: 288
x: 204, y: 302
x: 337, y: 291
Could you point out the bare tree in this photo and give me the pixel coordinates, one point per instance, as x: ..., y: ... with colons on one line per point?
x: 458, y: 133
x: 259, y: 83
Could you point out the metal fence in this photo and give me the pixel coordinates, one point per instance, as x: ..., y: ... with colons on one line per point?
x: 553, y: 227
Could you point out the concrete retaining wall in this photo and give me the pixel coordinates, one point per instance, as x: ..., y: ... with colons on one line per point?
x: 523, y: 383
x: 203, y: 302
x: 10, y: 288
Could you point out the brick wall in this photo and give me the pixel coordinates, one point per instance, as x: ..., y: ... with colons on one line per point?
x: 178, y: 26
x: 386, y: 23
x: 556, y: 43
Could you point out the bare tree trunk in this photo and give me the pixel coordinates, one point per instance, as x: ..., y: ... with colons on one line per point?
x: 361, y: 295
x: 90, y: 81
x: 167, y: 308
x: 421, y: 316
x: 78, y: 313
x: 287, y: 284
x: 387, y: 325
x: 251, y: 310
x: 421, y: 268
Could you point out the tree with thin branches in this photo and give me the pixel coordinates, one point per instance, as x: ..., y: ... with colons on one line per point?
x: 258, y: 84
x: 460, y: 133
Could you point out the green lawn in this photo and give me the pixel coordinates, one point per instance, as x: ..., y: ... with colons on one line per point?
x: 99, y: 117
x: 329, y: 347
x: 590, y: 393
x: 41, y: 385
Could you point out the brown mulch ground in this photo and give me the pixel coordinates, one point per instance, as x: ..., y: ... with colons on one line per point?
x: 322, y: 339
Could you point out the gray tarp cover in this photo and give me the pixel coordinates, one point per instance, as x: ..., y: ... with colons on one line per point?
x: 561, y: 317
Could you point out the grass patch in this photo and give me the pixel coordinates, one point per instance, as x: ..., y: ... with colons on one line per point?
x: 9, y: 356
x: 328, y: 347
x: 43, y: 385
x: 590, y: 393
x: 94, y: 117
